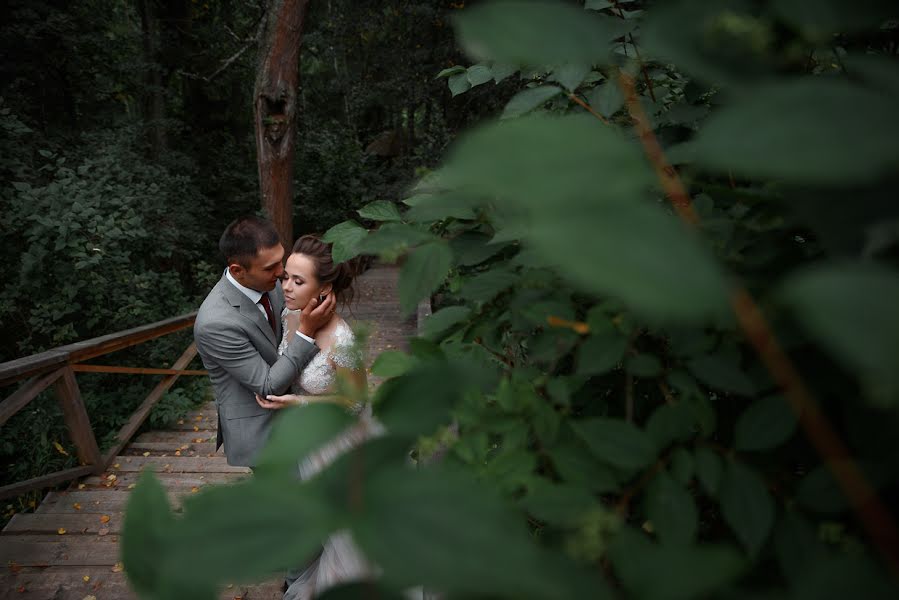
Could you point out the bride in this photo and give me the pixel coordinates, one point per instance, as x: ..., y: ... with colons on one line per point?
x: 309, y: 272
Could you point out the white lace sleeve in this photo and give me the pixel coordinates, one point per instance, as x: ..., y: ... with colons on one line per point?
x: 344, y: 353
x: 283, y: 345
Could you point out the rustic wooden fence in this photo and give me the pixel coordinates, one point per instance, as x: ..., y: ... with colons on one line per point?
x: 58, y: 367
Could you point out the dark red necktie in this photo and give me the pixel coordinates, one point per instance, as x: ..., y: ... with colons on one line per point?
x: 267, y: 305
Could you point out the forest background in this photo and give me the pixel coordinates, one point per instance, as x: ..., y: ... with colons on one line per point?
x: 128, y: 145
x: 664, y: 267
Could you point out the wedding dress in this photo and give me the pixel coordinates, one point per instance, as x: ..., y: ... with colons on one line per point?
x: 341, y: 560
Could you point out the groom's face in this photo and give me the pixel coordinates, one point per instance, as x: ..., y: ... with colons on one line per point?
x: 264, y: 270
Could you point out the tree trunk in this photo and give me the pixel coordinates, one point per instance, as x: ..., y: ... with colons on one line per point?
x: 275, y: 110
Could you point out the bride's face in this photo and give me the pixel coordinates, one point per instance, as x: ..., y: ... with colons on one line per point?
x: 300, y: 284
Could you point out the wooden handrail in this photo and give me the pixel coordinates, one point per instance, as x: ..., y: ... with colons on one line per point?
x: 57, y: 367
x: 15, y: 370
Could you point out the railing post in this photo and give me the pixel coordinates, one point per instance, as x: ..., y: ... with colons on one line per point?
x: 78, y: 422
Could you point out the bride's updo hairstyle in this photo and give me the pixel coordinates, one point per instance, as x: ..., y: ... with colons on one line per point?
x: 339, y: 275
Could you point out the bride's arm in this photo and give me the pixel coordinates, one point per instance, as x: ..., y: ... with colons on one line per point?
x: 277, y: 402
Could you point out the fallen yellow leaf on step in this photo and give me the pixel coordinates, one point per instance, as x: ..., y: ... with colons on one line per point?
x: 86, y: 578
x: 61, y: 531
x: 118, y: 567
x: 104, y: 519
x: 76, y: 506
x: 146, y: 454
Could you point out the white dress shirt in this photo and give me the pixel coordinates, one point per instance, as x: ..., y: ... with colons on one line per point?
x: 255, y: 296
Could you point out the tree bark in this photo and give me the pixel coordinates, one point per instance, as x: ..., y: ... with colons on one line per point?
x: 275, y: 109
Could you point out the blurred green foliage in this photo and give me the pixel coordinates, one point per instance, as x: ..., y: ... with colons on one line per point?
x: 603, y: 422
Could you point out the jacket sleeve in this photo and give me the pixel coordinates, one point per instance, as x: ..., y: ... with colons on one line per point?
x: 227, y: 346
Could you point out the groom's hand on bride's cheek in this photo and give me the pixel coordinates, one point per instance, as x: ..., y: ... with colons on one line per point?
x: 316, y: 315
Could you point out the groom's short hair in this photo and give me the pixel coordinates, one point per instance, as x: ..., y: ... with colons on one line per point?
x: 245, y: 237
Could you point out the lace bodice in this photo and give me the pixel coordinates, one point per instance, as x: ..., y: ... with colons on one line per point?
x: 318, y: 376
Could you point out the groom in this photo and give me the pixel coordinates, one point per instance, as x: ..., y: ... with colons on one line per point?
x: 238, y: 329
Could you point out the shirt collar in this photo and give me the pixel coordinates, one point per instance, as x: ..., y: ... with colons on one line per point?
x: 253, y: 295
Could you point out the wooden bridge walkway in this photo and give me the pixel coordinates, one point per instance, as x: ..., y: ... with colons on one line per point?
x: 68, y: 549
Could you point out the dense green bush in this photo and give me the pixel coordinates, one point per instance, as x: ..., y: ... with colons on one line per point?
x: 107, y: 241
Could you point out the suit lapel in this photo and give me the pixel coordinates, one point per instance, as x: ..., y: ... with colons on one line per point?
x: 249, y: 310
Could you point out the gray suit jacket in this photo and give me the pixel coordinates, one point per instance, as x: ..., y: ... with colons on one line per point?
x: 240, y: 351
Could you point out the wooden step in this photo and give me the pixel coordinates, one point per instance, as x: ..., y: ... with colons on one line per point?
x: 170, y: 481
x: 104, y: 583
x: 178, y: 437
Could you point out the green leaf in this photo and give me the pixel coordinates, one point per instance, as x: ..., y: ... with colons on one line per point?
x: 391, y: 363
x: 822, y: 143
x: 616, y: 442
x: 380, y: 210
x: 673, y: 572
x: 479, y: 74
x: 394, y: 237
x: 820, y: 492
x: 571, y: 75
x: 444, y: 319
x: 671, y: 510
x: 606, y: 99
x: 511, y: 467
x: 146, y: 533
x: 502, y: 71
x: 709, y: 469
x: 797, y: 545
x: 606, y: 239
x: 527, y: 100
x: 472, y: 248
x: 218, y: 540
x: 576, y: 466
x: 459, y: 83
x: 557, y: 503
x: 600, y: 354
x: 407, y: 511
x: 682, y: 466
x: 345, y: 239
x: 746, y: 505
x: 420, y: 400
x: 766, y: 424
x: 851, y: 310
x: 669, y: 423
x: 536, y: 33
x: 425, y: 269
x: 486, y: 286
x: 296, y: 433
x: 450, y: 71
x: 722, y: 373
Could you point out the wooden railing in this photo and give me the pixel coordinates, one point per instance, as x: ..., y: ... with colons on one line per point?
x: 57, y: 367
